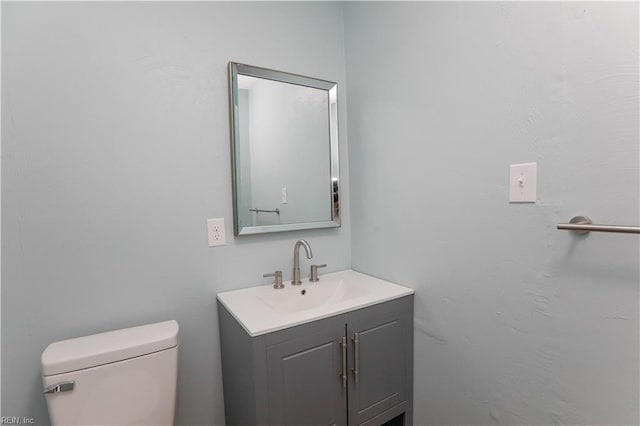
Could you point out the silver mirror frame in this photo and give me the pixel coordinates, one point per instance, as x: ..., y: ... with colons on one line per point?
x: 285, y: 77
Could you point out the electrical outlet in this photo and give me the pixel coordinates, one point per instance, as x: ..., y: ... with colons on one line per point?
x: 216, y: 233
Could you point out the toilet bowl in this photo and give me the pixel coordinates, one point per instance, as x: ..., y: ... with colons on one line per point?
x: 122, y: 377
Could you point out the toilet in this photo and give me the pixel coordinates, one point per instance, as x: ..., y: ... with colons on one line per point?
x: 122, y: 377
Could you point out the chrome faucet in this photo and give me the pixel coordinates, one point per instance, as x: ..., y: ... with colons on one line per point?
x: 296, y: 259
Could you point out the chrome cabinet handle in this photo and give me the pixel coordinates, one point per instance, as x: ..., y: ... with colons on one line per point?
x: 343, y: 374
x: 356, y: 356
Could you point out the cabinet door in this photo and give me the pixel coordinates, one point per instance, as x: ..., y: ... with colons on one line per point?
x: 380, y: 360
x: 304, y: 383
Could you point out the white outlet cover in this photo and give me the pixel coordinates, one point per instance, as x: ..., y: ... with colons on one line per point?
x: 523, y: 183
x: 216, y: 232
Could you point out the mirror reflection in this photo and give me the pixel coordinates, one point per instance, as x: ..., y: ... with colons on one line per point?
x: 285, y: 152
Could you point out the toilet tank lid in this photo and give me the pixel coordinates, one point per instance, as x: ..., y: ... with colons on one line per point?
x: 104, y: 348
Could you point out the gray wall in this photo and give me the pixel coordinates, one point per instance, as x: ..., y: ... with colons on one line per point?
x: 115, y: 152
x: 516, y: 323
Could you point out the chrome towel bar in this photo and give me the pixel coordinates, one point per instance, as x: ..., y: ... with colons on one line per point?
x: 276, y: 211
x: 583, y: 225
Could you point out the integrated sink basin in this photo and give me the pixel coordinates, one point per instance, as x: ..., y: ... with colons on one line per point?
x: 263, y: 309
x: 313, y: 296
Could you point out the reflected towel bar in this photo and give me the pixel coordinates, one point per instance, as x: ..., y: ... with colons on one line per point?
x: 583, y: 225
x: 276, y: 211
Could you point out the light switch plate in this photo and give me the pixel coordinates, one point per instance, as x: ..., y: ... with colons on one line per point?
x: 216, y: 234
x: 523, y: 183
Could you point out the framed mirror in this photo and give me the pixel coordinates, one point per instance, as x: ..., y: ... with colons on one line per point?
x: 284, y: 145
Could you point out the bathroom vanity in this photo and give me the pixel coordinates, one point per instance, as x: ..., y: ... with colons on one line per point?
x: 334, y: 352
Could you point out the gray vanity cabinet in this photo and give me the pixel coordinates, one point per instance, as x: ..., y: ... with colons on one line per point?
x: 295, y: 377
x: 302, y: 379
x: 382, y: 342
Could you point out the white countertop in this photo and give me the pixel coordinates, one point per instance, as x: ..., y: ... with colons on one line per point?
x: 263, y: 309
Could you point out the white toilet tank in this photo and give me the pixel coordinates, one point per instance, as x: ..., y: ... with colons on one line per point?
x: 123, y: 377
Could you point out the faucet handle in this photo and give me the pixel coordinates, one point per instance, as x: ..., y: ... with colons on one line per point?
x: 314, y: 272
x: 278, y: 276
